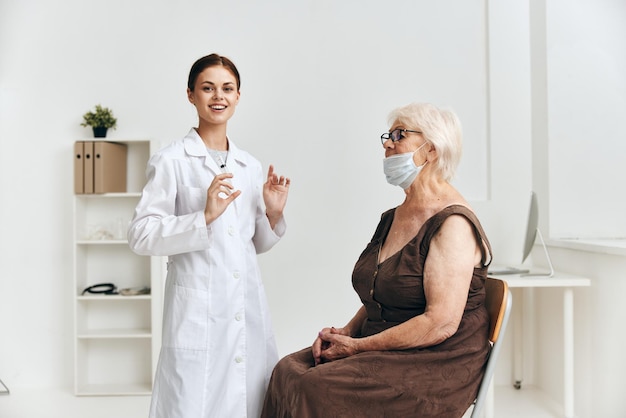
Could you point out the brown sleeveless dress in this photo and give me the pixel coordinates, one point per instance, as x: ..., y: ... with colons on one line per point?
x: 437, y: 381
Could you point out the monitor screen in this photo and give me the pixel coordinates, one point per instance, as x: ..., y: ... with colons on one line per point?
x: 531, y: 226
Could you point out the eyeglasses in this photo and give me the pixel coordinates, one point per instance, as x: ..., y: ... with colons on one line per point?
x: 395, y: 135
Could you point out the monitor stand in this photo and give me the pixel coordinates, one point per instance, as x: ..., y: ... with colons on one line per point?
x: 545, y: 250
x: 4, y: 390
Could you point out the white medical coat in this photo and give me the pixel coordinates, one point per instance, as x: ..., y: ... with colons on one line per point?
x: 218, y: 347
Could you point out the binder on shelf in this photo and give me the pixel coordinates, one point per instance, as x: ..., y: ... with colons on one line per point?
x: 99, y: 167
x: 109, y: 167
x: 79, y: 167
x: 88, y: 167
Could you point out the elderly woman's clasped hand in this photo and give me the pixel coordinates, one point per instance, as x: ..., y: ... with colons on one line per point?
x: 333, y: 344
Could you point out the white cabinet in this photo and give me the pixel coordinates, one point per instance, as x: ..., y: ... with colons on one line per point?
x: 116, y: 338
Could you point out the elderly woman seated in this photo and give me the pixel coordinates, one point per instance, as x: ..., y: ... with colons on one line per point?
x: 418, y: 344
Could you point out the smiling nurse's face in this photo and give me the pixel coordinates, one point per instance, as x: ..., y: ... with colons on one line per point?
x: 215, y: 95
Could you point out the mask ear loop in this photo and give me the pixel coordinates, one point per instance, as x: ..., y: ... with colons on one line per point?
x: 419, y: 148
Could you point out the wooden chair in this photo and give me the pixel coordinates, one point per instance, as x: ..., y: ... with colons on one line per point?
x: 498, y: 302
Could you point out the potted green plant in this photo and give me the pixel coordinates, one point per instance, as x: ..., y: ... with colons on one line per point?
x: 100, y: 120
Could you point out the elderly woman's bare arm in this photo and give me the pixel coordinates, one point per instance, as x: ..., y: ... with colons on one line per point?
x: 448, y: 271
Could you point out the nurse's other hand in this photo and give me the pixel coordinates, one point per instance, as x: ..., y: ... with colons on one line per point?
x: 219, y: 195
x: 275, y: 191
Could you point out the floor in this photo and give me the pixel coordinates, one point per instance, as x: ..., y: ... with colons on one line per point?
x: 39, y: 403
x: 526, y: 402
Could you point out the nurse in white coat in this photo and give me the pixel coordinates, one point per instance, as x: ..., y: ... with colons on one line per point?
x: 207, y: 207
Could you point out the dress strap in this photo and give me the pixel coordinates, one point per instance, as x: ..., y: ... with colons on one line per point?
x: 439, y: 218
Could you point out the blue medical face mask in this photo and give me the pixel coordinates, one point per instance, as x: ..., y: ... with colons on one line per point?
x: 400, y: 170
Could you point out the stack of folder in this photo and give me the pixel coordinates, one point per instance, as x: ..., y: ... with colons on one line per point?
x: 99, y: 167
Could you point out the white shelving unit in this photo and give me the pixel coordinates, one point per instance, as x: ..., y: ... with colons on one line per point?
x: 116, y: 338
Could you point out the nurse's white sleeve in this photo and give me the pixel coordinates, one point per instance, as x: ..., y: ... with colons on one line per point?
x: 155, y: 228
x: 264, y: 236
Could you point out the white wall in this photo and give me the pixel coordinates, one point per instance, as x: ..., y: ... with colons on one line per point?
x: 578, y: 64
x: 318, y: 80
x: 599, y: 342
x: 586, y: 87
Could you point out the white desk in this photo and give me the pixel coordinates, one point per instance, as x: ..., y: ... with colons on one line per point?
x: 567, y: 282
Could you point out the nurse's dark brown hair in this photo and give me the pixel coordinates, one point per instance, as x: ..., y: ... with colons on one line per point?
x: 212, y: 60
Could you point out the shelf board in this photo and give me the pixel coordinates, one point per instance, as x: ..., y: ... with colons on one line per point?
x: 138, y: 389
x: 114, y: 333
x: 108, y: 195
x: 89, y: 298
x: 101, y: 242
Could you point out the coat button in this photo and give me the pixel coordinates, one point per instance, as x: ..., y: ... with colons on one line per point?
x: 231, y: 230
x: 238, y: 317
x: 236, y: 275
x: 238, y: 359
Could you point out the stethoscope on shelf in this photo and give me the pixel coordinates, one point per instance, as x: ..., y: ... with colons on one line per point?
x: 111, y: 289
x: 101, y: 289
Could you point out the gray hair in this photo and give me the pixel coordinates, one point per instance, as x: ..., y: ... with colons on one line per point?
x: 440, y: 127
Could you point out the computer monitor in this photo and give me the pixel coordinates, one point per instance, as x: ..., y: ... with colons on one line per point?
x: 532, y: 226
x: 532, y: 231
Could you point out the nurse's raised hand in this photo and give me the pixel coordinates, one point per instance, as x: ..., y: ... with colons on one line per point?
x: 219, y: 195
x: 275, y: 191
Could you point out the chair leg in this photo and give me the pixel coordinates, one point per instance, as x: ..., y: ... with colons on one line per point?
x: 489, y: 411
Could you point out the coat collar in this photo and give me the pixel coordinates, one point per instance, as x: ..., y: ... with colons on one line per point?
x: 194, y: 146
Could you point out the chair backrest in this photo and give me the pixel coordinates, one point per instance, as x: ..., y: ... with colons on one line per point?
x: 498, y: 302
